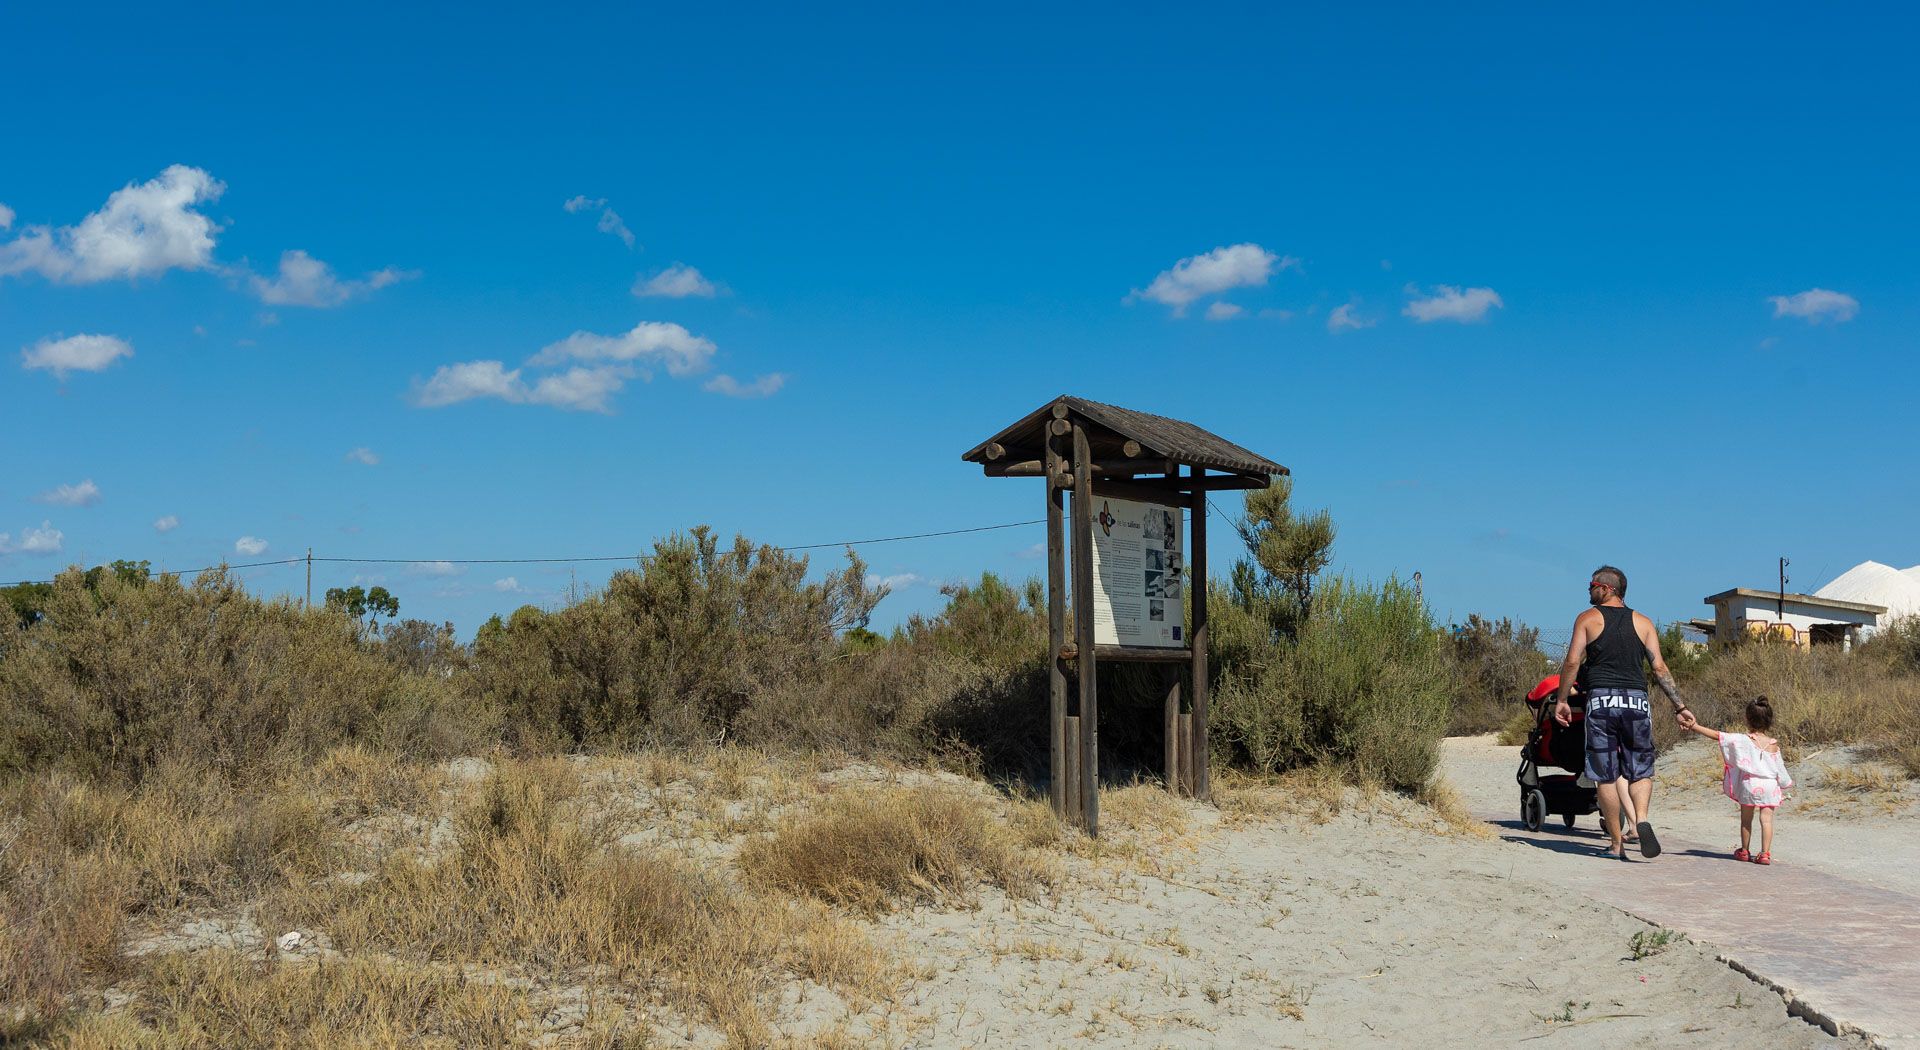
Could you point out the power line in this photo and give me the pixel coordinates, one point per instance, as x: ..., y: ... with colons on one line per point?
x: 185, y: 572
x: 595, y: 558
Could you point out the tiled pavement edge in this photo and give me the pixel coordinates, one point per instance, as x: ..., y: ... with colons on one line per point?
x: 1844, y: 955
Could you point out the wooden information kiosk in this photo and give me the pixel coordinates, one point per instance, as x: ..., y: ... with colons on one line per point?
x: 1132, y: 475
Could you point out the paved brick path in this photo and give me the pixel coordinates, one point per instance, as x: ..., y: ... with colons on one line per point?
x: 1844, y: 954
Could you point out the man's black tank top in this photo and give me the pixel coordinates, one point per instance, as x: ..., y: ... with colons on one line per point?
x: 1613, y: 659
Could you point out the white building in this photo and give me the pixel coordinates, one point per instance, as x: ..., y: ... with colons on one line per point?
x: 1803, y: 619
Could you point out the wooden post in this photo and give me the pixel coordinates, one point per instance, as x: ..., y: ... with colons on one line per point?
x: 1171, y: 717
x: 1072, y: 772
x: 1185, y: 723
x: 1056, y: 633
x: 1083, y: 629
x: 1201, y: 776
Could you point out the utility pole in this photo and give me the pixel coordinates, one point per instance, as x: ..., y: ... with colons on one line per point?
x: 309, y: 604
x: 1782, y: 609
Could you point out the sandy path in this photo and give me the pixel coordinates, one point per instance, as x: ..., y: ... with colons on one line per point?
x: 1866, y: 841
x: 1369, y: 930
x: 1834, y: 922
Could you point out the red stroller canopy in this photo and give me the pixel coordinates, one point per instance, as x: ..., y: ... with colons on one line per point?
x: 1547, y: 687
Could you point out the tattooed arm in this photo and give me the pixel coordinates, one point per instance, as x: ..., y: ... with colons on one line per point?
x: 1662, y: 677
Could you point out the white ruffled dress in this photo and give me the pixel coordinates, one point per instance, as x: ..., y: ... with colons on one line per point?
x: 1753, y: 777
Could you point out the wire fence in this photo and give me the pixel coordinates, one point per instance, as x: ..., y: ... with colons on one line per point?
x: 314, y: 559
x: 1558, y: 650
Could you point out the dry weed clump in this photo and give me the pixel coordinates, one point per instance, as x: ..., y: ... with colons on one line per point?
x: 875, y: 850
x: 1144, y: 810
x: 1315, y: 794
x: 1820, y: 696
x: 215, y: 999
x: 537, y: 885
x: 1451, y: 810
x: 1513, y: 732
x: 84, y: 862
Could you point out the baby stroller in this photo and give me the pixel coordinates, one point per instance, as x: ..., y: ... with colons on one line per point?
x: 1550, y: 744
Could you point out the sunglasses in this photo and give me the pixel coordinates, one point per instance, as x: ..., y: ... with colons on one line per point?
x: 1591, y: 584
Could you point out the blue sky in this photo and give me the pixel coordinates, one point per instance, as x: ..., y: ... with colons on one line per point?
x: 1635, y: 288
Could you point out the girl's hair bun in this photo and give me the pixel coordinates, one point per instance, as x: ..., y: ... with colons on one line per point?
x: 1759, y: 713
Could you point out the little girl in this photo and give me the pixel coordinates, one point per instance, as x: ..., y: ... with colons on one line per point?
x: 1754, y: 775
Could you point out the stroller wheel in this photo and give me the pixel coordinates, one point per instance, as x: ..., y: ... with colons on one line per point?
x: 1533, y: 810
x: 1568, y: 819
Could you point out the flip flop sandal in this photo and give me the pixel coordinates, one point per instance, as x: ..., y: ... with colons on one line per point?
x: 1764, y: 858
x: 1742, y: 854
x: 1649, y: 842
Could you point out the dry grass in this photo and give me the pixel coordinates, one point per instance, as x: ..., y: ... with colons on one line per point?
x: 219, y: 999
x: 1316, y: 794
x: 1698, y: 765
x: 82, y: 863
x: 1146, y: 811
x: 1819, y: 697
x: 462, y: 937
x: 1859, y: 780
x: 1514, y: 730
x: 561, y: 896
x: 1451, y: 810
x: 876, y: 850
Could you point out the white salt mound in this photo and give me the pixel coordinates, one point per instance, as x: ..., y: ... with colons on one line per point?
x: 1877, y: 584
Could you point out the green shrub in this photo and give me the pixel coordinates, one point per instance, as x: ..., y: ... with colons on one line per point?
x: 120, y: 674
x: 1497, y: 662
x: 678, y: 650
x: 1367, y: 684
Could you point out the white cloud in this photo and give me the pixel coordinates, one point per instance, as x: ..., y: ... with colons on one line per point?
x: 609, y: 362
x: 1448, y: 303
x: 1223, y: 312
x: 6, y: 217
x: 44, y: 540
x: 580, y: 389
x: 678, y: 281
x: 681, y: 352
x: 895, y: 581
x: 249, y: 546
x: 609, y: 219
x: 765, y: 386
x: 468, y: 380
x: 364, y: 455
x: 166, y: 524
x: 142, y: 230
x: 1198, y: 276
x: 1816, y: 305
x: 1342, y: 319
x: 435, y: 568
x: 508, y: 585
x: 575, y: 390
x: 85, y: 494
x: 306, y: 281
x: 77, y: 353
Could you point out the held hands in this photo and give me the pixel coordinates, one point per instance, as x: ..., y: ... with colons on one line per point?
x: 1687, y: 721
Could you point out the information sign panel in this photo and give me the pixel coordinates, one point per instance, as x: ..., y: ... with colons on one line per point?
x: 1137, y: 574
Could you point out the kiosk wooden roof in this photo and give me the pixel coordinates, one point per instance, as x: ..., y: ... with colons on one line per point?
x: 1096, y: 451
x: 1124, y: 443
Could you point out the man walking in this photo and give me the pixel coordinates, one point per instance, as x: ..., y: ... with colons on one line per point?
x: 1609, y: 643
